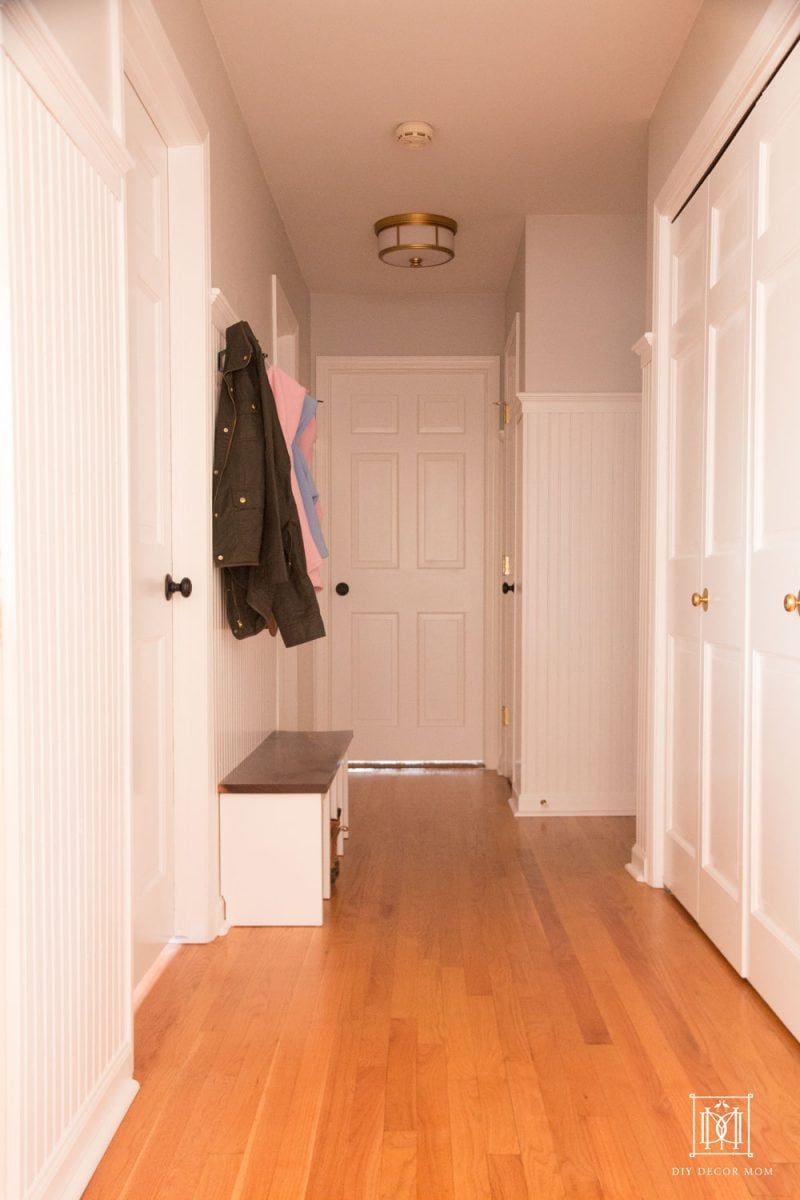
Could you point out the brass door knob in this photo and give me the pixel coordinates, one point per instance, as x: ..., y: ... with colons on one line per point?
x: 700, y: 601
x: 792, y: 603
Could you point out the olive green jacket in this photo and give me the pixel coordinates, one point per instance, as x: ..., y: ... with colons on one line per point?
x: 257, y: 537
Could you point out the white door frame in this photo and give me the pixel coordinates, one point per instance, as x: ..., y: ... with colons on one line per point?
x: 775, y: 35
x: 327, y: 367
x: 153, y: 68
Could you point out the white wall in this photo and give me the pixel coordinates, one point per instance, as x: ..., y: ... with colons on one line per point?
x: 86, y: 31
x: 423, y: 324
x: 584, y: 302
x: 716, y: 39
x: 248, y: 244
x: 248, y: 239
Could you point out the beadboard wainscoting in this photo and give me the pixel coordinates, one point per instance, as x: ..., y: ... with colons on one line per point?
x: 65, y: 1000
x: 578, y: 576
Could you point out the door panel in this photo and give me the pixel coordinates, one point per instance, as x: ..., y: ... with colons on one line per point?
x: 440, y: 528
x: 151, y: 536
x: 774, y: 923
x: 407, y: 512
x: 374, y: 642
x: 441, y: 641
x: 725, y: 546
x: 375, y: 508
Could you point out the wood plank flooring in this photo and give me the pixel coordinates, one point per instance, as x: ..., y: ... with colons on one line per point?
x: 493, y: 1010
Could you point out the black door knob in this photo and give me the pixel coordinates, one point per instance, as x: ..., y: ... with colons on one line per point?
x: 507, y: 587
x: 170, y: 586
x: 342, y: 589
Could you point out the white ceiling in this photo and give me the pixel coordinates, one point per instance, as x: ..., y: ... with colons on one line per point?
x: 539, y: 106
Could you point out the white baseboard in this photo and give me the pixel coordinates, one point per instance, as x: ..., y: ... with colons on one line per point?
x: 637, y: 867
x: 90, y: 1133
x: 573, y: 804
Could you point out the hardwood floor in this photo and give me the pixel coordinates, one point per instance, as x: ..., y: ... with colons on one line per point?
x: 493, y: 1009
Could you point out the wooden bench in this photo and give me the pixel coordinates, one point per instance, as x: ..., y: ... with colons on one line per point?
x: 276, y: 807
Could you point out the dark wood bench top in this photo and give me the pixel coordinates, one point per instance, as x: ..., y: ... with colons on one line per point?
x: 290, y: 762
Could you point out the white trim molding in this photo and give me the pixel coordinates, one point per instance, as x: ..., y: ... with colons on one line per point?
x: 222, y: 313
x: 579, y: 402
x: 154, y: 70
x: 39, y: 58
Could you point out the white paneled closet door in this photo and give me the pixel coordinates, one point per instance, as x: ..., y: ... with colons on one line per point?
x: 774, y: 920
x: 709, y: 414
x: 724, y: 539
x: 732, y: 846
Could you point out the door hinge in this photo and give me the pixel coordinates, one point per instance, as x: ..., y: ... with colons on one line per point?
x: 506, y: 564
x: 505, y: 716
x: 506, y: 413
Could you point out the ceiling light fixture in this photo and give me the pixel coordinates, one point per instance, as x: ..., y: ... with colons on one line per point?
x: 416, y: 239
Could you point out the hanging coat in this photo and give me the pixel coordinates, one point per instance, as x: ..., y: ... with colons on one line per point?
x: 257, y: 539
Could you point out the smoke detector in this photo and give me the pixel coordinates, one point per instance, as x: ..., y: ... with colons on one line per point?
x: 414, y: 133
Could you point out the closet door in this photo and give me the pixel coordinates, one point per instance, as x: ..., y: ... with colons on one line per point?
x: 724, y: 547
x: 684, y: 655
x: 706, y: 661
x: 774, y: 922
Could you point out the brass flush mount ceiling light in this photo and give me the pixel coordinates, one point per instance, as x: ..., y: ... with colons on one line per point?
x: 416, y: 239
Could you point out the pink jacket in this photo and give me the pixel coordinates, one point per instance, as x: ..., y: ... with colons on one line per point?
x: 289, y: 396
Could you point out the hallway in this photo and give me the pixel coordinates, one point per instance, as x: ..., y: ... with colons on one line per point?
x: 493, y: 1009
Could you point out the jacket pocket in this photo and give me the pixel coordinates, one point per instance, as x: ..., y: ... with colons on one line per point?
x: 237, y: 527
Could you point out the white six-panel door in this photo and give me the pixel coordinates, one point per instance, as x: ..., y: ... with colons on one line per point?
x: 407, y: 541
x: 707, y: 578
x: 724, y: 539
x: 774, y: 924
x: 151, y: 536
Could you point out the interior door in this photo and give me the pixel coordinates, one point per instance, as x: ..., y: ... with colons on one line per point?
x: 407, y: 562
x: 151, y: 535
x: 684, y: 646
x: 774, y: 923
x: 724, y: 547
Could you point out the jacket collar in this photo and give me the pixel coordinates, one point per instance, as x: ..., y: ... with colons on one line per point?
x: 241, y: 346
